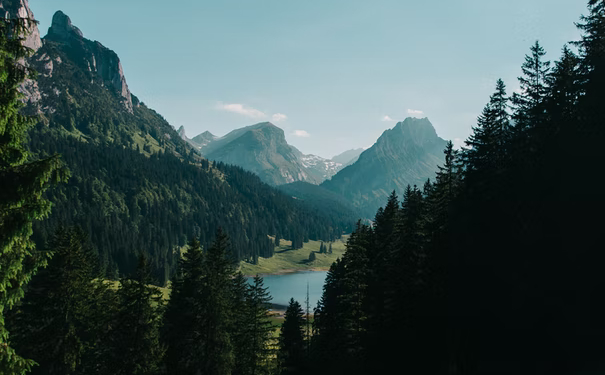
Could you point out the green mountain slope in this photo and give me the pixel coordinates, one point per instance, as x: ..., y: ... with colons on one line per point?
x: 137, y: 185
x: 407, y: 154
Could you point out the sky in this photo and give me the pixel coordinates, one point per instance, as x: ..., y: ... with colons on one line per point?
x: 333, y: 74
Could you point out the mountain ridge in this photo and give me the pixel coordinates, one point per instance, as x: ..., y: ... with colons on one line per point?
x: 407, y: 154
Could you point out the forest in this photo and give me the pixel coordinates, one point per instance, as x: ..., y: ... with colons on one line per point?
x: 492, y: 267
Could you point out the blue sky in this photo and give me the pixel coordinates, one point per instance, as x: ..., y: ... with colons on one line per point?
x: 333, y: 74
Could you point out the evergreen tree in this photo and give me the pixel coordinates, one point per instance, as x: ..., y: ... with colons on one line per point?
x: 183, y: 322
x: 61, y: 324
x: 292, y: 340
x: 312, y: 256
x: 240, y: 324
x: 24, y: 182
x: 135, y: 341
x: 214, y: 339
x: 528, y: 110
x: 261, y: 332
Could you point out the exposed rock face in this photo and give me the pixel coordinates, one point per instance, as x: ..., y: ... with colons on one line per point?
x: 92, y: 55
x: 261, y: 149
x: 20, y: 9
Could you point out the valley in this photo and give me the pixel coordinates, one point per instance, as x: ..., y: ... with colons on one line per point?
x: 288, y: 260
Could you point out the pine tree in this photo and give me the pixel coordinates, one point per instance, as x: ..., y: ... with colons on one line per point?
x: 59, y: 324
x: 23, y: 185
x: 330, y: 248
x: 240, y: 325
x: 528, y: 109
x: 328, y: 324
x: 183, y: 322
x: 312, y: 257
x: 261, y: 327
x: 135, y: 341
x: 292, y: 340
x: 214, y: 339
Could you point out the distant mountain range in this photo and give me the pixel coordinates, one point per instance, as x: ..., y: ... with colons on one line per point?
x: 262, y: 148
x: 407, y: 154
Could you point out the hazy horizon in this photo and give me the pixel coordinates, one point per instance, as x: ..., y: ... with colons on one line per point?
x: 333, y: 76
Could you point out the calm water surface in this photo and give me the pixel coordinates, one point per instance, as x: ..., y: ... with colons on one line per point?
x: 294, y: 285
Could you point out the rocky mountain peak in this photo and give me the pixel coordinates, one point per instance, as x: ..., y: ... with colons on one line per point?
x: 20, y: 9
x: 62, y: 28
x: 91, y: 56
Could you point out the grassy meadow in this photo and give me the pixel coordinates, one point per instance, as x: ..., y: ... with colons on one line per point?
x: 287, y: 260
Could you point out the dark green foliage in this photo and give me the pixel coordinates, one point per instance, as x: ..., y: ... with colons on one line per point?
x: 24, y: 181
x: 135, y: 346
x: 291, y: 353
x: 252, y: 345
x: 183, y: 320
x: 216, y: 348
x: 65, y: 314
x: 312, y: 256
x: 129, y: 201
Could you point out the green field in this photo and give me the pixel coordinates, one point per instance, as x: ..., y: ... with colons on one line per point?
x: 288, y: 260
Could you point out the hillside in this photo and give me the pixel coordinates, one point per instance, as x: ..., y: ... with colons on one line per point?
x: 408, y: 154
x: 136, y: 184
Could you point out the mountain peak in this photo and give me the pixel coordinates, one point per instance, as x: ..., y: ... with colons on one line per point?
x: 91, y: 56
x: 20, y: 9
x: 62, y: 28
x: 417, y: 130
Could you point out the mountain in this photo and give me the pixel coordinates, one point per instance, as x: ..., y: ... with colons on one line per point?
x: 262, y: 148
x: 408, y: 154
x: 197, y: 142
x: 348, y: 157
x: 204, y: 139
x: 136, y: 184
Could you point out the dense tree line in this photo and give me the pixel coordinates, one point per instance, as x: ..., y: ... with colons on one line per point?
x: 493, y: 267
x: 71, y: 321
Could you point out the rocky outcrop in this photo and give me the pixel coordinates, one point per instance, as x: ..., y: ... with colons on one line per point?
x: 20, y: 9
x: 92, y: 55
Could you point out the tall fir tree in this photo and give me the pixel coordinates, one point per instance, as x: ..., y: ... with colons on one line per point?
x: 61, y: 323
x: 291, y: 353
x: 135, y: 341
x: 215, y: 341
x: 183, y: 320
x: 24, y: 182
x: 261, y: 328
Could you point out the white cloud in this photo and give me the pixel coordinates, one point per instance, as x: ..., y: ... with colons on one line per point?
x: 242, y: 110
x: 387, y: 118
x: 414, y: 112
x: 277, y: 117
x: 301, y: 133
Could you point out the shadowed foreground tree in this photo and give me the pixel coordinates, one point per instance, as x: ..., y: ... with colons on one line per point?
x: 24, y: 182
x: 291, y: 354
x: 65, y: 315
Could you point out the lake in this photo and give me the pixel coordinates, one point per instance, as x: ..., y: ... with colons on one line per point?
x: 294, y: 285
